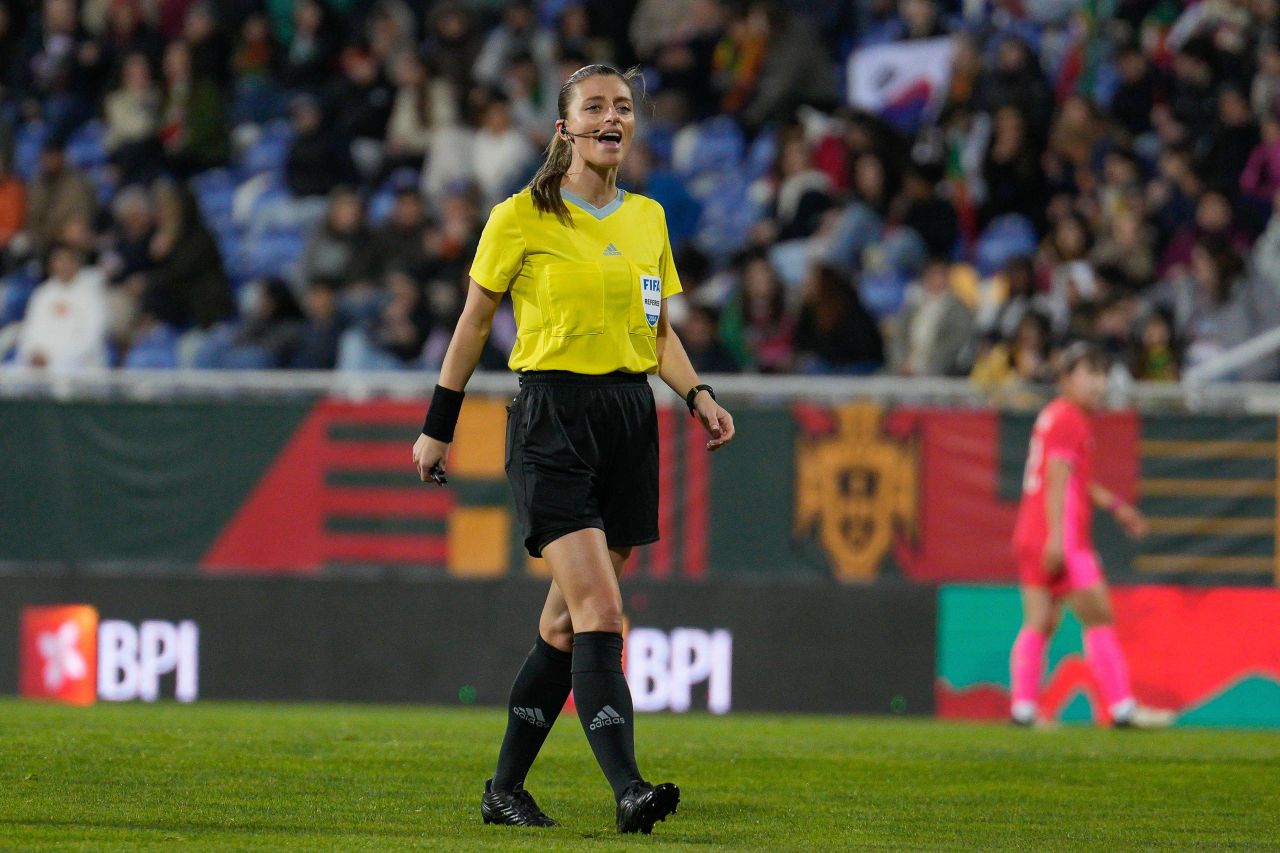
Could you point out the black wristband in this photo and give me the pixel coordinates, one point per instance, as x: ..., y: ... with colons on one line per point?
x: 442, y: 416
x: 693, y: 394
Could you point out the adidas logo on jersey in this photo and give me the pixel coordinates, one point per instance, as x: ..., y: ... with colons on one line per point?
x: 612, y: 250
x: 532, y: 716
x: 607, y: 717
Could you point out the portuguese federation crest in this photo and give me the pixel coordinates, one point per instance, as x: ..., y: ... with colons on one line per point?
x: 853, y: 488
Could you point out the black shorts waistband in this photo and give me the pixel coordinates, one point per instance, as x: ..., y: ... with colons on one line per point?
x: 566, y: 377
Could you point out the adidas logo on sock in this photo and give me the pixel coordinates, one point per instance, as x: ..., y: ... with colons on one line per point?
x: 612, y: 250
x: 532, y: 716
x: 607, y: 717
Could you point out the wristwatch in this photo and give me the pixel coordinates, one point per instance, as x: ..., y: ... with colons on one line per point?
x: 693, y: 393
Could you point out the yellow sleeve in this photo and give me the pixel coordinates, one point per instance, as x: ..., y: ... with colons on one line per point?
x: 500, y: 252
x: 667, y: 264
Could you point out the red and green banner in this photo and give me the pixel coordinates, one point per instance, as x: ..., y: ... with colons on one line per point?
x: 1211, y: 655
x: 853, y: 492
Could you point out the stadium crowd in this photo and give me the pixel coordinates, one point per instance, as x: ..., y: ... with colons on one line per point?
x: 301, y: 183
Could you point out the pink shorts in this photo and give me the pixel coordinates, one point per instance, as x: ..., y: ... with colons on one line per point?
x: 1081, y: 571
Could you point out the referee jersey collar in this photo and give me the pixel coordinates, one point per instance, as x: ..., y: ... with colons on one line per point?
x: 597, y: 212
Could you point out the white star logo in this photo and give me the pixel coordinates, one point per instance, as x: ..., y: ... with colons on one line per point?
x: 62, y: 659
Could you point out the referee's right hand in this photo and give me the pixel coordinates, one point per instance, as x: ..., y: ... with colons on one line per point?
x: 427, y: 453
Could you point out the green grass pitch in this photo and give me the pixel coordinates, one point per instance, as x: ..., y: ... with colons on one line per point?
x: 312, y: 777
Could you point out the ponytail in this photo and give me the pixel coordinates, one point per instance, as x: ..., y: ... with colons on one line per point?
x: 545, y: 186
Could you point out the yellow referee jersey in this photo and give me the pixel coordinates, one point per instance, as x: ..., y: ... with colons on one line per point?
x: 586, y: 298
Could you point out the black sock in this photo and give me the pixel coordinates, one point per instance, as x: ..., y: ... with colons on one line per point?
x: 537, y: 695
x: 604, y: 705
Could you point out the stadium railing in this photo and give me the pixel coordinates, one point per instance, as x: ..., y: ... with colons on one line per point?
x: 1193, y: 396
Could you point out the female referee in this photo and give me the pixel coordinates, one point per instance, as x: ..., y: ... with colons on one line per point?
x: 589, y: 268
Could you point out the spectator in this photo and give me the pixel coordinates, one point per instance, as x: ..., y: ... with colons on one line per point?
x: 518, y: 32
x: 56, y: 71
x: 312, y: 48
x: 1127, y: 247
x: 1216, y: 306
x: 756, y: 327
x: 65, y: 328
x: 58, y: 193
x: 920, y: 208
x: 452, y: 44
x: 341, y: 249
x: 132, y: 113
x: 193, y: 128
x: 422, y: 104
x: 803, y: 193
x: 1233, y: 139
x: 935, y: 329
x: 1011, y: 170
x: 451, y: 241
x: 317, y: 347
x: 1022, y: 358
x: 835, y: 333
x: 790, y: 72
x: 362, y: 100
x: 1214, y: 219
x: 395, y: 340
x: 316, y: 162
x: 1135, y: 95
x: 128, y: 260
x: 1017, y: 82
x: 126, y: 34
x: 701, y: 339
x: 399, y: 243
x: 500, y: 154
x: 187, y: 284
x: 209, y: 46
x: 267, y: 337
x: 1155, y: 355
x: 1006, y: 298
x: 1260, y: 180
x: 1064, y: 265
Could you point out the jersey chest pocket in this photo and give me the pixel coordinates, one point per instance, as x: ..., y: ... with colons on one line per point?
x: 571, y: 296
x: 645, y: 304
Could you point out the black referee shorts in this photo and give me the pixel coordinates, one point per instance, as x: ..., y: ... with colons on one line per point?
x: 582, y: 451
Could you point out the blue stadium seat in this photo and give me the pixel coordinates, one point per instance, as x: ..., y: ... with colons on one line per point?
x: 156, y: 350
x: 26, y: 148
x: 728, y: 213
x: 103, y: 178
x: 718, y: 147
x: 762, y: 153
x: 15, y: 292
x: 272, y: 253
x: 87, y: 146
x: 1005, y: 238
x: 883, y: 292
x: 380, y: 207
x: 269, y: 151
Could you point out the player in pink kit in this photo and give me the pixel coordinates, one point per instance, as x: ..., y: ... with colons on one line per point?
x: 1053, y: 542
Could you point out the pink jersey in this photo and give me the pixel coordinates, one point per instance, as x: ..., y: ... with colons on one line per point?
x: 1063, y: 431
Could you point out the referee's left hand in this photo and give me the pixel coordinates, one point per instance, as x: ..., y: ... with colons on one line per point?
x: 715, y: 419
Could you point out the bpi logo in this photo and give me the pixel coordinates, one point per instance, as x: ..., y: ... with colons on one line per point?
x: 68, y: 655
x: 662, y: 668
